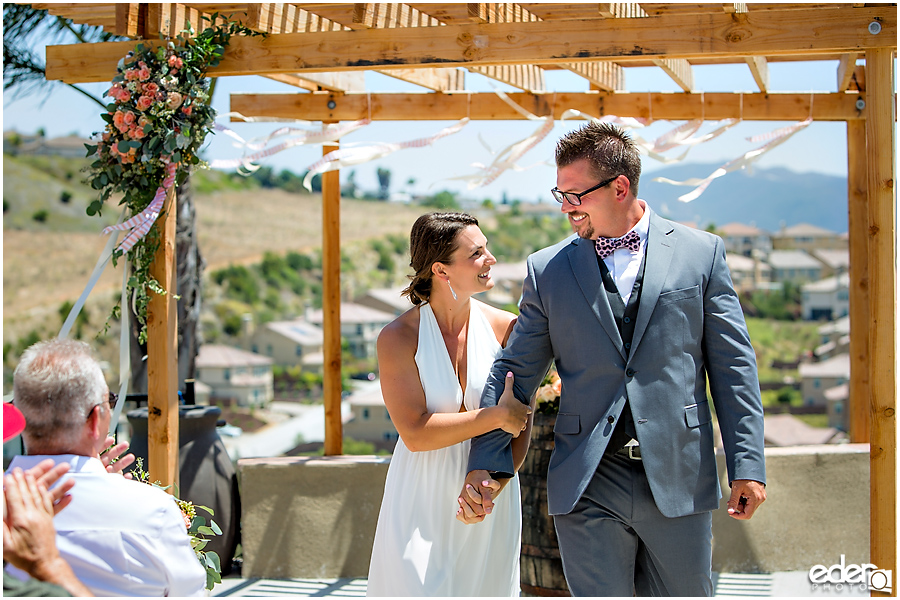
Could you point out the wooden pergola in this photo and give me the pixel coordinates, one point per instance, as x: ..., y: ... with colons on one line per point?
x: 323, y: 50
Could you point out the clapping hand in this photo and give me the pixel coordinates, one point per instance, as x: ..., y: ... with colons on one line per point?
x: 113, y: 460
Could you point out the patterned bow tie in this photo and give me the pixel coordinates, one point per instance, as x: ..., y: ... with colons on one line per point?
x: 606, y: 246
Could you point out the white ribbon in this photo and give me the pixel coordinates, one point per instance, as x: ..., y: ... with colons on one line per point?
x: 777, y: 137
x: 354, y: 154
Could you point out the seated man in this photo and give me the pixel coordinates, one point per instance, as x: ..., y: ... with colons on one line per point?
x: 121, y: 537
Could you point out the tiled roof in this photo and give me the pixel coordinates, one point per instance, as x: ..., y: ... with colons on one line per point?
x: 829, y: 284
x: 740, y: 229
x: 355, y: 313
x: 837, y: 366
x: 218, y: 355
x: 792, y: 259
x: 299, y: 331
x: 805, y: 230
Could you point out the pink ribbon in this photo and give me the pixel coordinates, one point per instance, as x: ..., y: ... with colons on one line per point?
x: 141, y: 223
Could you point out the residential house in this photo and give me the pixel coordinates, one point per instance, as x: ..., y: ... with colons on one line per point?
x: 835, y: 338
x: 826, y: 299
x: 748, y: 274
x: 370, y: 420
x: 834, y: 262
x: 70, y: 145
x: 838, y: 403
x: 289, y: 343
x: 794, y: 265
x: 507, y: 290
x: 818, y: 377
x: 809, y: 237
x: 360, y: 326
x: 235, y: 374
x: 745, y: 239
x: 388, y: 300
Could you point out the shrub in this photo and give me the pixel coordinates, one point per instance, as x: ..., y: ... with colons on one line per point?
x: 40, y: 215
x: 65, y: 197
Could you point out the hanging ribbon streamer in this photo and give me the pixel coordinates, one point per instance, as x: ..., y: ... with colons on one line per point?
x: 354, y: 154
x: 777, y: 137
x: 141, y: 223
x: 508, y: 158
x: 328, y: 134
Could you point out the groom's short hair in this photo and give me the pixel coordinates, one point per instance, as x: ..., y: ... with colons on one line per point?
x: 608, y: 148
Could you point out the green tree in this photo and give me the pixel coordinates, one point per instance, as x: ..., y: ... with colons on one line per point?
x: 384, y: 182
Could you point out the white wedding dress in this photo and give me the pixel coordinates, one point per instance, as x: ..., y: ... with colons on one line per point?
x: 420, y: 548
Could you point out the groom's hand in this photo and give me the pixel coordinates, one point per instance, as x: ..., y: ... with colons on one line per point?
x: 476, y: 498
x: 746, y: 496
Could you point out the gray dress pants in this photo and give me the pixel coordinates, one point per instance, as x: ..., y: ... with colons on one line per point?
x: 615, y: 542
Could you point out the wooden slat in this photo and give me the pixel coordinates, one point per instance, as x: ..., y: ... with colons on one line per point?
x: 759, y: 68
x: 519, y: 43
x: 331, y: 306
x: 735, y: 8
x: 373, y: 15
x: 882, y: 252
x: 859, y: 404
x: 845, y: 71
x: 487, y: 106
x: 562, y: 11
x: 525, y: 77
x: 603, y: 75
x: 679, y: 70
x: 437, y: 80
x: 445, y: 12
x: 162, y: 356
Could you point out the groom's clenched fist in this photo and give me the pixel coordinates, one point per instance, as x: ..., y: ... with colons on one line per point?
x: 476, y: 498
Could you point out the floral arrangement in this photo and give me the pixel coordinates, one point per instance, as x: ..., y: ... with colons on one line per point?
x: 155, y: 126
x: 196, y: 527
x: 548, y: 394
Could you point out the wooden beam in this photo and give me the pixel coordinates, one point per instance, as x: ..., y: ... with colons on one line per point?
x: 127, y: 19
x: 487, y: 106
x: 541, y: 42
x: 880, y: 160
x: 525, y: 77
x: 162, y: 356
x: 603, y: 75
x: 347, y: 81
x: 438, y: 80
x: 858, y: 402
x: 845, y: 70
x: 759, y: 68
x: 621, y: 10
x: 331, y: 306
x: 679, y: 70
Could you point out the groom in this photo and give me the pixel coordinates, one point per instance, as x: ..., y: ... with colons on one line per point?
x: 637, y: 313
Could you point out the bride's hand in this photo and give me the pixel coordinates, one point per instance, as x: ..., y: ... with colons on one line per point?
x: 515, y: 414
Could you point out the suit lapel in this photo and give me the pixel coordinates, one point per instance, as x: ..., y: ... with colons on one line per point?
x: 660, y: 247
x: 583, y: 260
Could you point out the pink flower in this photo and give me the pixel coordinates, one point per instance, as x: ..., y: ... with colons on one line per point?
x: 187, y: 110
x: 175, y: 62
x: 174, y: 100
x: 144, y: 102
x: 136, y: 133
x: 119, y: 119
x: 131, y: 74
x: 150, y: 88
x: 130, y: 118
x: 143, y: 121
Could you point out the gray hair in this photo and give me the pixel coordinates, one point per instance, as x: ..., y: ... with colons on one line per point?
x: 56, y: 384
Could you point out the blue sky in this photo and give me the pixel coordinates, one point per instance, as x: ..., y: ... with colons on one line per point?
x: 820, y: 148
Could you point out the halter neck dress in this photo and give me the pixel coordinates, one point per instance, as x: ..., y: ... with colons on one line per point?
x: 420, y: 548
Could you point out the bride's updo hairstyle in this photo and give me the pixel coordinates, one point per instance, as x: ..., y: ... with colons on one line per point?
x: 432, y: 239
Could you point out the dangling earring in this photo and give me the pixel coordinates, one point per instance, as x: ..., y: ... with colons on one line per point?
x: 451, y: 290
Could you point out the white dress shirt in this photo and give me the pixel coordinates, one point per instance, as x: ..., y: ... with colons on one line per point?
x: 122, y: 537
x: 623, y: 264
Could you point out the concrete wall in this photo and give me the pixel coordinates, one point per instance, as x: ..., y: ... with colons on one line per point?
x: 817, y: 508
x: 315, y: 517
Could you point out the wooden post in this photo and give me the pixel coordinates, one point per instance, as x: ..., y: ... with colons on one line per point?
x: 882, y: 242
x: 858, y: 403
x: 331, y: 306
x: 162, y: 356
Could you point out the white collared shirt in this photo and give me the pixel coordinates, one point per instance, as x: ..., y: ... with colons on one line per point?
x: 623, y: 264
x: 121, y: 537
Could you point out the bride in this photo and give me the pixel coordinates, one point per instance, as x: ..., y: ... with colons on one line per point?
x: 434, y: 361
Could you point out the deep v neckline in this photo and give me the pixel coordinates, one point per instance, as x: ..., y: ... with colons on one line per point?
x: 449, y: 359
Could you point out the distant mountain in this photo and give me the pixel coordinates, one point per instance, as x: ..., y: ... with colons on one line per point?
x: 764, y: 197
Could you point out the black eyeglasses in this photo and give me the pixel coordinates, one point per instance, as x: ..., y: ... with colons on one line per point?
x: 575, y: 199
x: 113, y: 398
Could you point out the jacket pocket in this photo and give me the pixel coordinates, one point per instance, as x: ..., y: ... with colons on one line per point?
x: 566, y: 423
x: 676, y: 295
x: 696, y: 415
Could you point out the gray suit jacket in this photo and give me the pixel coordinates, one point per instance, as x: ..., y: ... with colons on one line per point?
x: 689, y: 328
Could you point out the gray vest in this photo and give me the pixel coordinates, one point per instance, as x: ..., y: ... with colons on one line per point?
x: 625, y: 316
